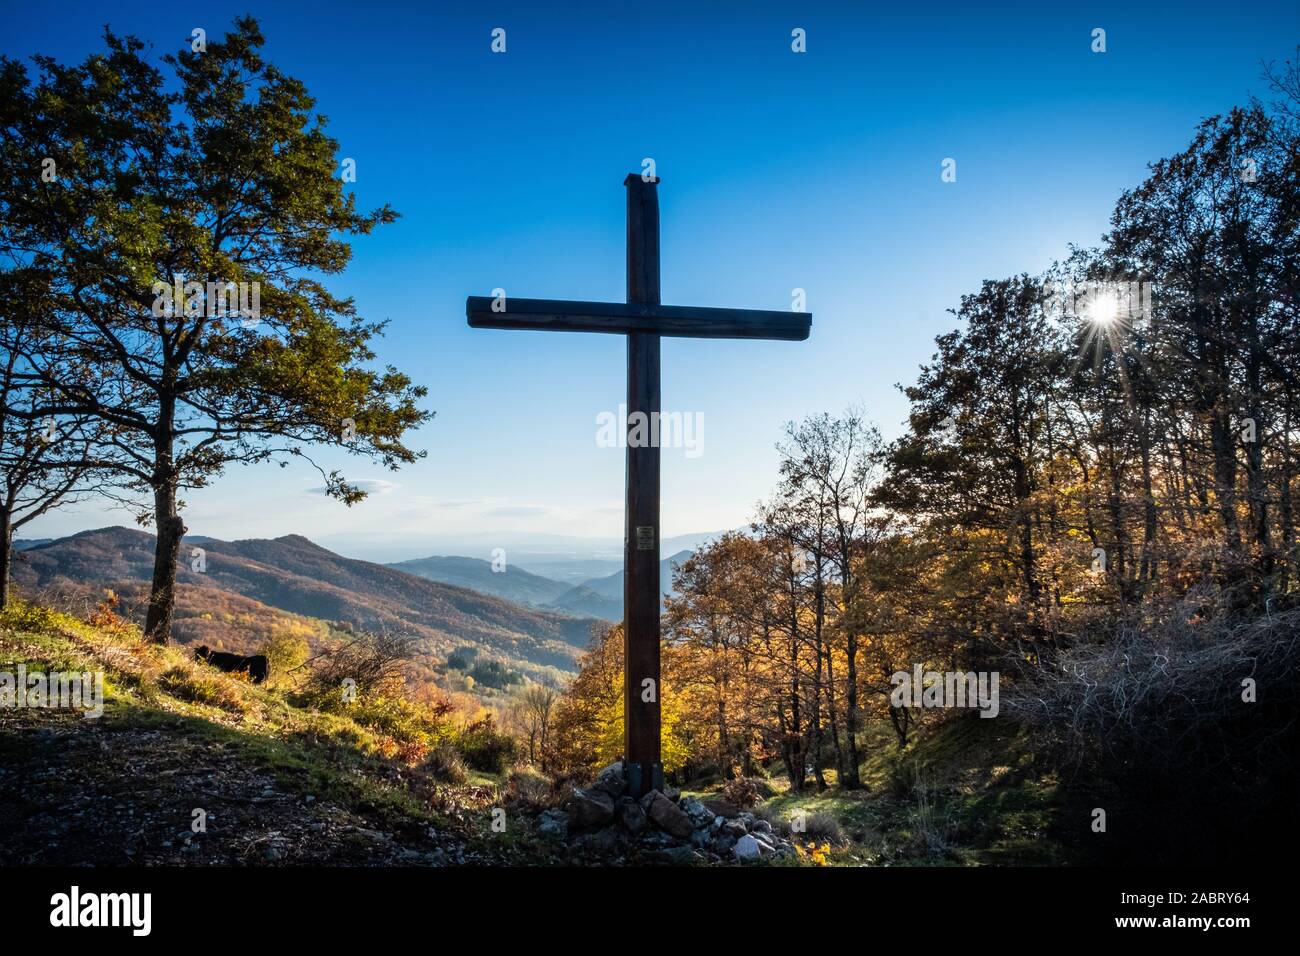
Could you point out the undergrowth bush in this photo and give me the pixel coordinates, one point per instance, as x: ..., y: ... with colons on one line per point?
x: 531, y: 788
x: 416, y: 727
x: 446, y: 763
x: 485, y: 748
x: 200, y: 686
x: 106, y: 619
x: 369, y: 665
x: 1152, y: 712
x: 20, y: 615
x: 742, y: 792
x: 286, y: 653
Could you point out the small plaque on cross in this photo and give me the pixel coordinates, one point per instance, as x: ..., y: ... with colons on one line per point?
x: 645, y: 538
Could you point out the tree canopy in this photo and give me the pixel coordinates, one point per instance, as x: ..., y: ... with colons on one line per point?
x: 184, y: 218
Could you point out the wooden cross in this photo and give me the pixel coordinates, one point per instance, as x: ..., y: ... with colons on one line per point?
x: 643, y: 320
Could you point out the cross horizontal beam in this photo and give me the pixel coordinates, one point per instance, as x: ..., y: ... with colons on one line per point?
x: 554, y: 315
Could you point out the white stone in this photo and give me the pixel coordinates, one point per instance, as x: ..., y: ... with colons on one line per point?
x: 747, y: 848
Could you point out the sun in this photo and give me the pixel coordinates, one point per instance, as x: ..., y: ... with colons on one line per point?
x: 1102, y: 309
x: 1106, y: 330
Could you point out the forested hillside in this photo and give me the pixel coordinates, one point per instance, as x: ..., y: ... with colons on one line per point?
x: 507, y: 581
x: 1093, y: 497
x: 248, y: 589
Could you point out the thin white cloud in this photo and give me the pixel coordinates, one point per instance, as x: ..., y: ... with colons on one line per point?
x: 374, y: 486
x: 517, y: 511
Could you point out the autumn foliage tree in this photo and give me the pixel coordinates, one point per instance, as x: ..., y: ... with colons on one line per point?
x: 1095, y: 487
x: 587, y: 728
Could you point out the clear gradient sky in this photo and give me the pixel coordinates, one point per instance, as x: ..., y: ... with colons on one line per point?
x: 779, y: 170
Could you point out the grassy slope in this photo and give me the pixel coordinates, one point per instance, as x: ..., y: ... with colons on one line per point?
x: 285, y: 785
x: 250, y: 587
x: 964, y: 792
x: 280, y: 784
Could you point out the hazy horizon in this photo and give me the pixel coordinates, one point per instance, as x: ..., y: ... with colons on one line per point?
x: 523, y: 549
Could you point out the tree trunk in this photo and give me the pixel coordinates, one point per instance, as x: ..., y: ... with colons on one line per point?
x: 1285, y: 517
x: 1257, y: 493
x: 832, y: 716
x: 849, y: 779
x: 1256, y: 490
x: 724, y: 752
x: 818, y: 741
x: 6, y: 553
x: 1147, y: 572
x: 162, y: 593
x: 1225, y: 480
x: 794, y: 736
x: 900, y: 717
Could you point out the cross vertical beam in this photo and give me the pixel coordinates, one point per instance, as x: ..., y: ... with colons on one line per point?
x: 644, y: 320
x: 641, y: 715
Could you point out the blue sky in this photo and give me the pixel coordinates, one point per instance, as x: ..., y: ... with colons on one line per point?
x: 779, y: 170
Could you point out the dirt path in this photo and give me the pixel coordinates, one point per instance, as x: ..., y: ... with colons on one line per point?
x: 92, y: 792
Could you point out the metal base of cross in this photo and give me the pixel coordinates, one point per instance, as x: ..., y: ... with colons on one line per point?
x: 642, y: 778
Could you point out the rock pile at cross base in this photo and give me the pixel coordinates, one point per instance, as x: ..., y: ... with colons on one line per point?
x: 603, y: 821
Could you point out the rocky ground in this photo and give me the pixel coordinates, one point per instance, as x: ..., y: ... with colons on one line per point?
x: 278, y: 784
x: 661, y: 827
x: 77, y: 793
x: 188, y: 766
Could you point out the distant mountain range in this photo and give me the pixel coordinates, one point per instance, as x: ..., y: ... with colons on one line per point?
x: 22, y: 544
x: 601, y: 597
x: 243, y: 592
x: 568, y: 558
x: 513, y: 583
x: 247, y: 589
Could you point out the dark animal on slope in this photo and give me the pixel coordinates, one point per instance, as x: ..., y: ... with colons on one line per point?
x: 256, y: 665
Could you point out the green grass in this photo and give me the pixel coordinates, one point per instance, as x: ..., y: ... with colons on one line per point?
x: 965, y: 792
x: 160, y: 693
